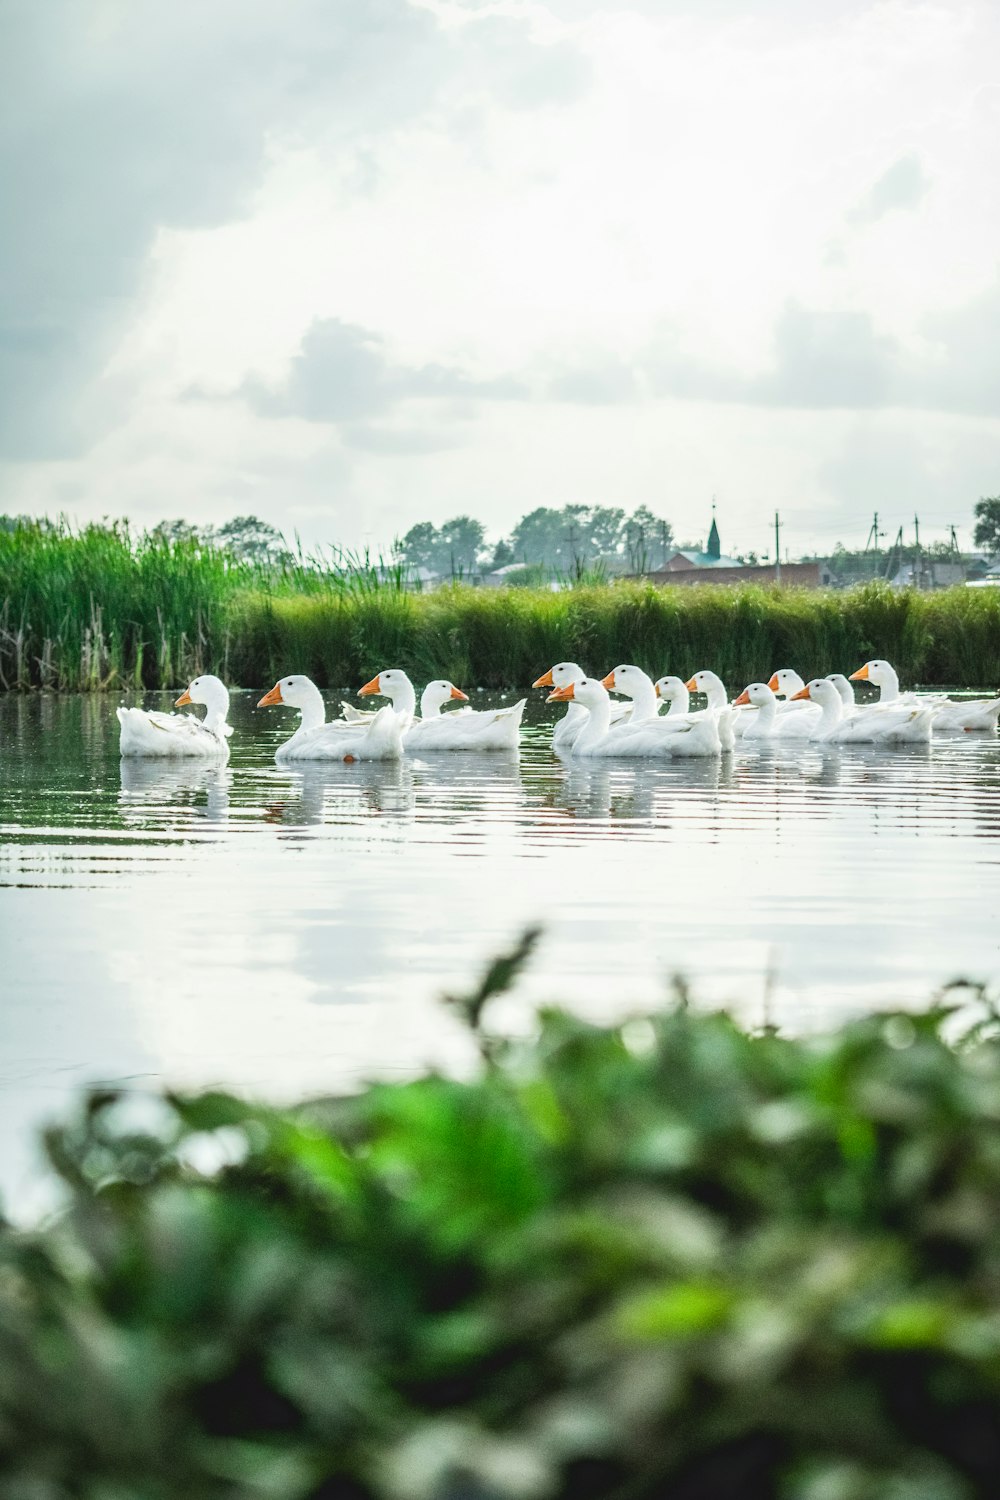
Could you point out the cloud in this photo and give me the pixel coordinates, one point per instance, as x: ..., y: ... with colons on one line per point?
x: 902, y: 185
x: 126, y: 119
x: 342, y: 374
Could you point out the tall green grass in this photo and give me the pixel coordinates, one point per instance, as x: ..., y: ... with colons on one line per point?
x: 99, y: 608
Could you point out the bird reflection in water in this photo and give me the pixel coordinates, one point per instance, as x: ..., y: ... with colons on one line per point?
x: 159, y: 786
x: 330, y: 792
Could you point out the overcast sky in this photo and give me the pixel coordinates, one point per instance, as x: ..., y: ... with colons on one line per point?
x: 350, y: 266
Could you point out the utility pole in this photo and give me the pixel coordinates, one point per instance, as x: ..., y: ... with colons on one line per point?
x: 918, y: 566
x: 873, y: 535
x: 777, y: 548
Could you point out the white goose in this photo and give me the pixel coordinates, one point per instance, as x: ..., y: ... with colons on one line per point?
x: 636, y: 685
x: 673, y: 691
x: 697, y: 737
x: 903, y: 724
x: 379, y: 738
x: 977, y: 714
x: 152, y: 734
x: 469, y: 729
x: 569, y: 726
x: 768, y: 723
x: 714, y: 689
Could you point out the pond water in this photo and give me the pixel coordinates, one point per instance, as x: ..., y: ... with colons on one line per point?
x: 291, y: 930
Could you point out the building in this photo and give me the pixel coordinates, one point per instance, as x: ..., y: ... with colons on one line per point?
x: 689, y: 566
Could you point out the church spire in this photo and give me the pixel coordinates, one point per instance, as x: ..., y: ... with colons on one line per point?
x: 714, y: 547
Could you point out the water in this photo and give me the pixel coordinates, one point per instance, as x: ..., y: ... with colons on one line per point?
x: 290, y: 930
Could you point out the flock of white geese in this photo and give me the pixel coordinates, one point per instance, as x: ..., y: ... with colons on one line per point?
x: 646, y: 719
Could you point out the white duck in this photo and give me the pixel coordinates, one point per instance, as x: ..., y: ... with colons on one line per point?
x: 786, y: 684
x: 977, y: 714
x: 654, y: 737
x: 148, y: 733
x: 569, y: 726
x: 469, y: 729
x: 903, y: 724
x: 768, y: 723
x: 714, y: 690
x: 847, y: 700
x: 673, y: 691
x: 636, y: 685
x: 379, y: 738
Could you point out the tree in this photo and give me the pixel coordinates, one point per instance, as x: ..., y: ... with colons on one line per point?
x: 251, y: 538
x: 987, y: 532
x: 418, y: 548
x: 503, y: 554
x: 177, y: 531
x: 460, y: 542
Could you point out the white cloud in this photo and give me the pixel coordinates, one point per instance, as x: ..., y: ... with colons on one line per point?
x: 491, y: 256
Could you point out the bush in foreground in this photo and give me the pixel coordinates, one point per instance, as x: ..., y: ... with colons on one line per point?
x: 662, y: 1259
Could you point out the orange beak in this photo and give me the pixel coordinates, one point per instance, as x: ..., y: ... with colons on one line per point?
x: 743, y: 698
x: 691, y: 685
x: 562, y: 694
x: 370, y: 687
x: 774, y: 684
x: 274, y: 696
x: 185, y: 697
x: 656, y: 689
x: 609, y: 682
x: 457, y: 693
x: 805, y: 693
x: 545, y: 680
x: 861, y: 675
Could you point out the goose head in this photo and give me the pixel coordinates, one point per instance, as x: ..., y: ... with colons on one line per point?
x: 786, y: 683
x: 843, y: 687
x: 634, y: 683
x: 757, y: 695
x: 824, y: 692
x: 563, y: 673
x: 436, y: 694
x: 588, y: 691
x: 395, y: 685
x: 880, y: 674
x: 675, y: 692
x: 626, y: 680
x: 298, y: 692
x: 212, y: 693
x: 712, y: 686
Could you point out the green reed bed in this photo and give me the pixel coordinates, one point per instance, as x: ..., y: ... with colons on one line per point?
x: 99, y: 608
x: 504, y: 638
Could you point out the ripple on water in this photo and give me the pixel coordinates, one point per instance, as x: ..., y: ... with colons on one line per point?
x: 288, y: 928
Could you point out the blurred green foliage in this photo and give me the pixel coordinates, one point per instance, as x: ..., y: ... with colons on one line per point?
x: 660, y: 1260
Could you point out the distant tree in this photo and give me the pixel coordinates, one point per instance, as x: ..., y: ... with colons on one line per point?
x: 177, y: 531
x: 251, y: 538
x: 503, y: 554
x: 987, y: 532
x: 460, y: 542
x: 419, y: 547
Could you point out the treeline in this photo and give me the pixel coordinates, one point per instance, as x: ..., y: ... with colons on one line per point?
x: 566, y: 542
x: 98, y: 609
x: 658, y: 1260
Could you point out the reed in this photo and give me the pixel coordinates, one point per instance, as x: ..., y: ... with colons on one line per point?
x: 99, y: 608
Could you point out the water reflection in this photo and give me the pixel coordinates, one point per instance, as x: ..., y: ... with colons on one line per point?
x: 331, y: 792
x: 158, y: 786
x: 287, y: 928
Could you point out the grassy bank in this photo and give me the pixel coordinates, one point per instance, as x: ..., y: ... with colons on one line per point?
x: 657, y: 1261
x: 97, y: 609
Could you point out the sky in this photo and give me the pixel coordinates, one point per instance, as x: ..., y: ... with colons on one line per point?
x: 350, y: 267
